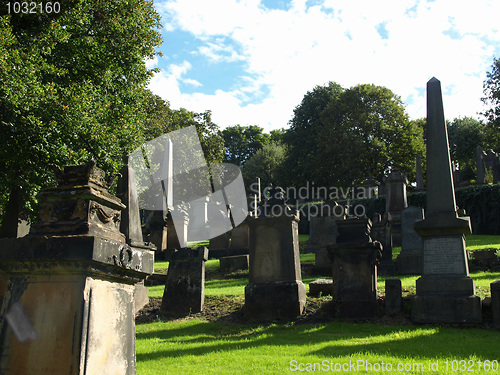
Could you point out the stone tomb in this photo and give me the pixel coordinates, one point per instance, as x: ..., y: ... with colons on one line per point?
x: 354, y: 269
x: 275, y: 288
x: 445, y: 293
x: 73, y: 277
x: 185, y: 287
x: 409, y: 261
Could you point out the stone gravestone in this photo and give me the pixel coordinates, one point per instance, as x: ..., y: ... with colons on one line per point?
x: 275, y: 288
x: 155, y: 231
x: 71, y: 283
x: 492, y: 163
x: 381, y: 232
x: 409, y: 261
x: 185, y: 287
x: 445, y: 293
x: 354, y: 269
x: 330, y: 213
x: 396, y: 202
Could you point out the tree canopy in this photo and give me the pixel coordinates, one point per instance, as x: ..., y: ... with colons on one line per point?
x: 342, y: 136
x: 491, y: 90
x: 72, y: 87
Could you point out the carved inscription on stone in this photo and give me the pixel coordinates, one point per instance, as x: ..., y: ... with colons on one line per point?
x: 444, y: 255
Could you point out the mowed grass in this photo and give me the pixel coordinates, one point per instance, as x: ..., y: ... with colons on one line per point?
x: 197, y: 347
x: 191, y: 346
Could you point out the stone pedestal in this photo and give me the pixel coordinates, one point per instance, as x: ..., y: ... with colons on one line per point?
x: 354, y: 270
x: 275, y: 287
x: 71, y: 284
x: 185, y: 287
x: 445, y: 292
x: 410, y: 259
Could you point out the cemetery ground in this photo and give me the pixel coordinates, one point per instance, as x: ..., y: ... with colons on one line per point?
x: 219, y: 340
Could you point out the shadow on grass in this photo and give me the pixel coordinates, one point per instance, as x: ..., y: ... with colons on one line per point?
x: 342, y: 340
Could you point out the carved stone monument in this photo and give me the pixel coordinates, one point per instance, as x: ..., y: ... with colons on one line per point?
x: 69, y: 303
x: 396, y: 202
x: 445, y: 292
x: 409, y: 260
x: 354, y: 269
x: 275, y: 288
x: 185, y: 287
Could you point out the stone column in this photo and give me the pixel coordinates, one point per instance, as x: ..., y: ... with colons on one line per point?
x: 71, y: 284
x: 275, y: 288
x: 445, y: 292
x: 396, y: 202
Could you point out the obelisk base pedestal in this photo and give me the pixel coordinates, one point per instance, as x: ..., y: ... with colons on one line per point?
x: 446, y: 300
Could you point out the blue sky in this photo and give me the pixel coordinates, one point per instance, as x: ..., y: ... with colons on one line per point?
x: 252, y: 61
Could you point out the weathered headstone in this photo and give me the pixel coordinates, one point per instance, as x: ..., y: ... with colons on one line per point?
x: 392, y: 296
x: 445, y: 293
x: 73, y: 280
x: 330, y: 213
x: 495, y: 302
x: 492, y: 164
x: 240, y: 237
x: 381, y: 232
x: 275, y: 288
x: 185, y: 287
x: 155, y: 231
x: 410, y: 259
x: 354, y: 269
x: 480, y: 165
x: 323, y: 287
x: 234, y: 263
x: 396, y: 202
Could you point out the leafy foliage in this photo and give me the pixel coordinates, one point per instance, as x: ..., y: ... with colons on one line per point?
x: 491, y: 90
x: 266, y: 163
x: 342, y: 136
x: 241, y: 142
x: 72, y: 88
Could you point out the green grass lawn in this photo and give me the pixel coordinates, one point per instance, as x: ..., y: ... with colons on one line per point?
x: 197, y: 347
x: 191, y: 346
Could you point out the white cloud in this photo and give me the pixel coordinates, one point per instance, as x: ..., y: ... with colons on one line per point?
x: 289, y: 52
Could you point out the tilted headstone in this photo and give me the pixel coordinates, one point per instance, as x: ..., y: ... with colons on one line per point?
x: 410, y: 259
x: 73, y: 276
x: 185, y: 287
x: 354, y: 269
x: 275, y: 288
x: 445, y: 293
x: 396, y: 202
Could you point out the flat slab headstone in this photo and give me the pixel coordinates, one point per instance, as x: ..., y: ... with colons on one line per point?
x: 410, y: 259
x: 323, y: 287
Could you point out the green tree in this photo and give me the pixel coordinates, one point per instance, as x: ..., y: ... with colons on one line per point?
x: 241, y: 142
x: 353, y: 134
x: 72, y: 87
x: 464, y: 135
x: 267, y: 164
x: 491, y: 90
x: 306, y: 127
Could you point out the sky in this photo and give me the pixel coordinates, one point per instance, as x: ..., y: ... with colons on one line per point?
x: 252, y: 61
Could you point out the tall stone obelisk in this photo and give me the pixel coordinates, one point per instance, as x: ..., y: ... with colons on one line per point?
x: 445, y: 292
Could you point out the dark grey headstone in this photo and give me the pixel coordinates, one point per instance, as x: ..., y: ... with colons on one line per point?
x: 392, y: 296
